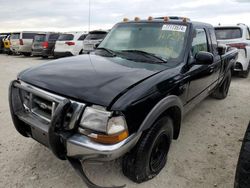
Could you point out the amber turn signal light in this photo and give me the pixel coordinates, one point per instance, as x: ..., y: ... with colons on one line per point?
x: 109, y: 139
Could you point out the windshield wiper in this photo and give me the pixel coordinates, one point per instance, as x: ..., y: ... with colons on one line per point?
x: 162, y: 60
x: 107, y: 50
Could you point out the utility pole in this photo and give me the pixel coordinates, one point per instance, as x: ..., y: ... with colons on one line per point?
x: 89, y: 13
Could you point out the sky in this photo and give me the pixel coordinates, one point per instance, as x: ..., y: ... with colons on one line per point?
x: 73, y: 15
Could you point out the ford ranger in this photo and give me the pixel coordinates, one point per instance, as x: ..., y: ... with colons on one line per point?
x: 127, y: 99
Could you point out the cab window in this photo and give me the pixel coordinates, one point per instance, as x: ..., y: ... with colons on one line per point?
x: 199, y: 41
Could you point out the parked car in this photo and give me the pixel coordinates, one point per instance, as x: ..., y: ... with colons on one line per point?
x: 242, y: 178
x: 21, y: 43
x: 92, y: 40
x: 69, y: 44
x: 6, y: 42
x: 44, y: 44
x: 127, y: 98
x: 14, y: 42
x: 2, y: 43
x: 238, y: 37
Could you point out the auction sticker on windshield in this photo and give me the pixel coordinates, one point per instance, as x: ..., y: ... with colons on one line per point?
x: 171, y: 27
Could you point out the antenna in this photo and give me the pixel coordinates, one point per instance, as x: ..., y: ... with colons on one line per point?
x: 89, y: 13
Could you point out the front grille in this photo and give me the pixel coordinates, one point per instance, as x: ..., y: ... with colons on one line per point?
x: 37, y: 105
x: 42, y: 105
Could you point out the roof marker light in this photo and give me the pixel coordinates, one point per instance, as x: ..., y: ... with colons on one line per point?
x: 125, y: 19
x: 137, y: 19
x: 166, y: 19
x: 185, y: 20
x: 150, y: 18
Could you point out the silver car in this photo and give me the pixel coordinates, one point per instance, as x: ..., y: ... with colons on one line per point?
x: 92, y: 40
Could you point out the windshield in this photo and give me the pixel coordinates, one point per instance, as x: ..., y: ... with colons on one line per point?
x: 65, y: 37
x: 164, y: 40
x: 39, y: 38
x: 228, y: 33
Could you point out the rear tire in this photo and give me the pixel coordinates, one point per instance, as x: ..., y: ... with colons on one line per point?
x: 222, y: 91
x: 149, y: 156
x: 44, y: 57
x: 244, y: 74
x: 242, y: 178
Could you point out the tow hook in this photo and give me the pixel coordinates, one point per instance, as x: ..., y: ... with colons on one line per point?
x: 77, y: 165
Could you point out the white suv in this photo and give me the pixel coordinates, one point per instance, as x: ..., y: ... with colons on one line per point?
x: 239, y: 37
x: 69, y: 44
x: 21, y: 42
x: 94, y: 38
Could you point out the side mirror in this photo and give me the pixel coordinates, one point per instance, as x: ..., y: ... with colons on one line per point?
x: 204, y: 58
x: 221, y: 49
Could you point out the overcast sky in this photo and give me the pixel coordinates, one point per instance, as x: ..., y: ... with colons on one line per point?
x: 72, y: 15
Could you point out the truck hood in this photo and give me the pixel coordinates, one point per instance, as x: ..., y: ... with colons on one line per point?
x: 89, y: 78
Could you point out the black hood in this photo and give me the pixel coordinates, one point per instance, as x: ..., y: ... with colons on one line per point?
x: 89, y: 78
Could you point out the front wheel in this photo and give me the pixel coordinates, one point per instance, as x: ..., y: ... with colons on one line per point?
x: 222, y: 91
x: 149, y: 156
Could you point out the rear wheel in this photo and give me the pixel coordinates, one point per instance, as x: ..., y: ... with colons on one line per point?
x: 242, y: 178
x: 44, y: 57
x: 244, y: 74
x: 149, y: 156
x: 222, y: 91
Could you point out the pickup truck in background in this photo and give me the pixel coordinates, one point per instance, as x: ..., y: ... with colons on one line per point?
x: 127, y: 98
x: 239, y: 37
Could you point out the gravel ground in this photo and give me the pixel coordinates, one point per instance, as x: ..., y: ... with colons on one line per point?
x: 205, y: 155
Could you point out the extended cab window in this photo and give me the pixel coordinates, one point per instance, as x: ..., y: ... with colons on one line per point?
x: 199, y: 41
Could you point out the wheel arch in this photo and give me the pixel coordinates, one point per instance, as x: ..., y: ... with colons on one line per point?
x: 171, y: 106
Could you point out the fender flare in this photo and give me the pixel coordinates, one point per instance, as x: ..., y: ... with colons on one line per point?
x: 161, y: 107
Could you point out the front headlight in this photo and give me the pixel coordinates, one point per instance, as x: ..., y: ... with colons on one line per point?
x: 108, y: 128
x: 95, y: 118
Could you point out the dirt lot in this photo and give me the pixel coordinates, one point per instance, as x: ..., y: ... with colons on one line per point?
x: 204, y: 156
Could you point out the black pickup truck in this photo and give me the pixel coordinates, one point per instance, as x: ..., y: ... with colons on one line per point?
x: 127, y: 98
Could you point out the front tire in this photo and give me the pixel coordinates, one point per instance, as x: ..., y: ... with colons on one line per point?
x: 222, y: 91
x: 149, y: 156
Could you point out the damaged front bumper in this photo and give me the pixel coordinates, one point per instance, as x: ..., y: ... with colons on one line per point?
x: 53, y: 120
